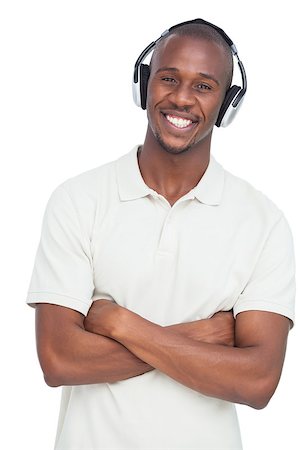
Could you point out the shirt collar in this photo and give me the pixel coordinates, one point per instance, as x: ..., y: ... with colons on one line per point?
x: 132, y: 186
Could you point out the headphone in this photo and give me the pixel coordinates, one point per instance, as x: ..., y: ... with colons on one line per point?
x: 234, y: 95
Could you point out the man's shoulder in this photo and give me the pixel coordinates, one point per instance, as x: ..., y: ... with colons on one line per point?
x: 88, y: 191
x: 89, y: 180
x: 247, y: 197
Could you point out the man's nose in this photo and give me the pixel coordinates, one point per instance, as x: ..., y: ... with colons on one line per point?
x: 182, y: 95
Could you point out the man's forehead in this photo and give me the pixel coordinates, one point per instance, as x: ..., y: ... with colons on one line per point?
x: 188, y: 52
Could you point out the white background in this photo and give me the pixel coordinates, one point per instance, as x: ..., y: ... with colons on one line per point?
x: 66, y: 107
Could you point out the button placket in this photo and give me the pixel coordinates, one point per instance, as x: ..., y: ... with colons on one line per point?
x: 167, y: 244
x: 168, y: 239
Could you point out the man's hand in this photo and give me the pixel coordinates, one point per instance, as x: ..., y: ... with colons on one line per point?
x: 102, y: 316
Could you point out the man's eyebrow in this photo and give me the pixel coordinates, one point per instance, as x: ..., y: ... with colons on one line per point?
x: 203, y: 75
x: 208, y: 76
x: 171, y: 69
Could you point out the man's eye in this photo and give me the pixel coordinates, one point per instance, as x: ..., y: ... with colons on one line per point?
x: 169, y: 79
x: 203, y: 86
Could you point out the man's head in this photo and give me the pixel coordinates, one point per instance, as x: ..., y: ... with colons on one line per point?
x: 190, y: 72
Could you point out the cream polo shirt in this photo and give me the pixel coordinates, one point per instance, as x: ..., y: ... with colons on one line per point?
x: 106, y: 234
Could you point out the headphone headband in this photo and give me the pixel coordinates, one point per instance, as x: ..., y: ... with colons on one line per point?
x: 204, y: 22
x: 234, y: 95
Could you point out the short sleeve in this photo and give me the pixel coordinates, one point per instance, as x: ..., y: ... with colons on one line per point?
x: 62, y: 272
x: 271, y: 286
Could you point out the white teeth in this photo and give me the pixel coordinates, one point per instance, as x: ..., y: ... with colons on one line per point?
x: 178, y: 121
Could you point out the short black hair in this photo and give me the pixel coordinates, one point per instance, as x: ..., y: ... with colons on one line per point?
x: 206, y: 32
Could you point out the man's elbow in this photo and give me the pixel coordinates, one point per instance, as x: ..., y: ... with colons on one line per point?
x: 260, y: 393
x: 52, y: 380
x: 52, y: 371
x: 259, y: 402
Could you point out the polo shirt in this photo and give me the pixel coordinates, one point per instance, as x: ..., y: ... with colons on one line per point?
x: 106, y: 234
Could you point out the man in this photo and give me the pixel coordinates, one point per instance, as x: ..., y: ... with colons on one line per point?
x: 136, y: 262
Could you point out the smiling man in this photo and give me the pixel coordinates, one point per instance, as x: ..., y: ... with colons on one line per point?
x: 192, y: 116
x: 163, y: 284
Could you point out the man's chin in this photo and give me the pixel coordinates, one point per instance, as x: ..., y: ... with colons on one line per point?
x: 174, y: 150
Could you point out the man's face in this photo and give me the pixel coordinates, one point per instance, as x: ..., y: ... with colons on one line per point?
x: 186, y: 88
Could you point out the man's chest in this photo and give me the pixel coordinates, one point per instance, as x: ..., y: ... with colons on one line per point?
x: 173, y: 265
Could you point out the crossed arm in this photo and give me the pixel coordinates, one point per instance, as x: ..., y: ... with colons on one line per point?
x: 113, y: 343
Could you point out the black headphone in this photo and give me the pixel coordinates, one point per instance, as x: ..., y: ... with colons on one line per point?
x: 234, y: 95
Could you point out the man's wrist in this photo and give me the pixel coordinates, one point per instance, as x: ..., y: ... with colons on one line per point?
x: 119, y: 323
x: 104, y: 317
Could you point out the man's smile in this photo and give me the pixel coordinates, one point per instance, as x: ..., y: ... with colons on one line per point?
x: 179, y: 122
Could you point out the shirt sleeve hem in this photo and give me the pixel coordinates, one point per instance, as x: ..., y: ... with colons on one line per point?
x: 34, y: 298
x: 264, y: 306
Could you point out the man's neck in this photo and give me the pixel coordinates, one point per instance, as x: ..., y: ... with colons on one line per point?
x: 172, y: 175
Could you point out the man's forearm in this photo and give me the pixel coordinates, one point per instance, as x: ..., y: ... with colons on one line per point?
x: 116, y: 362
x: 70, y: 355
x: 72, y: 352
x: 99, y: 359
x: 240, y: 375
x: 206, y: 368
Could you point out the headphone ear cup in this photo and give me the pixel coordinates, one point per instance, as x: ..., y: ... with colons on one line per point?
x: 229, y: 97
x: 144, y: 77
